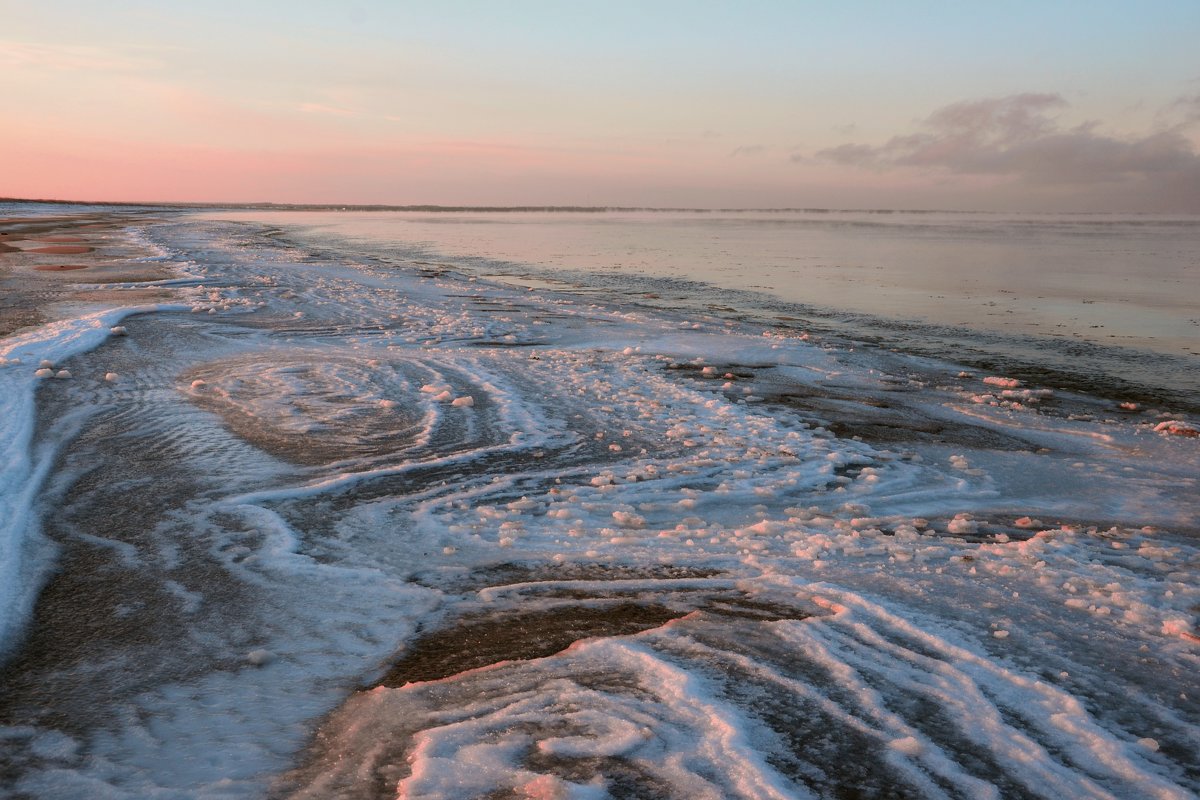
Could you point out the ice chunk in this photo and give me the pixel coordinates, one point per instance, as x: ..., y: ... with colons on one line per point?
x: 627, y: 519
x: 1176, y: 626
x: 909, y: 745
x: 962, y: 523
x: 1176, y: 427
x: 260, y: 657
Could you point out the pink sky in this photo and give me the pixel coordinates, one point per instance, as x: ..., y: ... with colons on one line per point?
x: 303, y: 103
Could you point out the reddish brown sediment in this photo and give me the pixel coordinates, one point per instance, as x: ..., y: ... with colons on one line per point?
x: 61, y: 250
x: 59, y: 267
x: 59, y: 239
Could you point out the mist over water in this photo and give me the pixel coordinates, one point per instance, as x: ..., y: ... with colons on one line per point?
x: 359, y: 523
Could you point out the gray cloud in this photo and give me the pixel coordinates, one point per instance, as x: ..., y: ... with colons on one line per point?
x: 1184, y: 111
x: 1019, y: 136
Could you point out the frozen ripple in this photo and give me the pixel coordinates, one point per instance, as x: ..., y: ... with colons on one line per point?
x: 647, y: 558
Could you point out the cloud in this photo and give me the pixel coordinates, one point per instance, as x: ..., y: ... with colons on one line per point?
x: 320, y: 108
x: 748, y: 150
x: 69, y: 58
x: 1019, y: 136
x: 1183, y: 112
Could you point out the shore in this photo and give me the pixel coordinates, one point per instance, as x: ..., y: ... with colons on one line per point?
x: 49, y: 260
x: 348, y: 526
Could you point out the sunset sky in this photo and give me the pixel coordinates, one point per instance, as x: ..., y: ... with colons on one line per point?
x: 1006, y: 105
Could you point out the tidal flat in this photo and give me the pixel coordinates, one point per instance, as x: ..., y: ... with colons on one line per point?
x: 313, y: 515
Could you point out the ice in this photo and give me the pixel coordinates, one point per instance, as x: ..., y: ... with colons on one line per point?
x: 862, y: 580
x: 22, y: 552
x: 260, y: 657
x: 1177, y: 428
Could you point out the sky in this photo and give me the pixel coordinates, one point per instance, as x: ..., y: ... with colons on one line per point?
x: 1023, y: 106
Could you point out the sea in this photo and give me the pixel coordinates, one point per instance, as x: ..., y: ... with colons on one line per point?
x: 628, y: 504
x: 1108, y: 302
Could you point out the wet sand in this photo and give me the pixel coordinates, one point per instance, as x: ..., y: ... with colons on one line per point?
x: 33, y: 277
x: 62, y: 250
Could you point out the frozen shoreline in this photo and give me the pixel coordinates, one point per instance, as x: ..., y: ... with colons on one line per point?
x: 982, y: 594
x: 1050, y: 299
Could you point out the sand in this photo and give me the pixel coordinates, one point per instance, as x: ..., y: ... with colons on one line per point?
x: 32, y: 279
x: 62, y: 250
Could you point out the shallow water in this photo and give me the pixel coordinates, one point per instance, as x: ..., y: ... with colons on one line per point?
x: 657, y: 554
x: 1103, y: 296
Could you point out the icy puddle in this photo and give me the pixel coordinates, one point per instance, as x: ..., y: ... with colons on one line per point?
x: 353, y: 528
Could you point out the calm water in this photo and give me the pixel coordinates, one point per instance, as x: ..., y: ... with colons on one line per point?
x: 1105, y: 303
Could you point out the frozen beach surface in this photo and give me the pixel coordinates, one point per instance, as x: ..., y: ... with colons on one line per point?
x: 351, y: 526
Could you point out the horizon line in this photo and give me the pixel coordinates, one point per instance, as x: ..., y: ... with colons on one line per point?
x: 439, y: 208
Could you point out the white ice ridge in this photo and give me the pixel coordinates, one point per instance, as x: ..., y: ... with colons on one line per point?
x: 1044, y: 736
x: 703, y: 751
x: 21, y: 471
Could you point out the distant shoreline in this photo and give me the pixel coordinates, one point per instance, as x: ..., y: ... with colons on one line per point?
x: 433, y: 208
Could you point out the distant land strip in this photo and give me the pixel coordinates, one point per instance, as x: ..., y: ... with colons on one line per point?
x: 481, y: 209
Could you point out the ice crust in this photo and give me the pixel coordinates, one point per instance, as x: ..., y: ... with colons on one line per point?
x: 23, y: 467
x: 1011, y: 614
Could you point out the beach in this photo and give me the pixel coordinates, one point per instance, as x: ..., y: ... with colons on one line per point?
x: 42, y: 259
x: 372, y: 517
